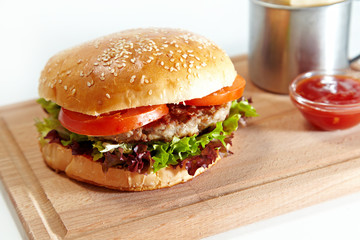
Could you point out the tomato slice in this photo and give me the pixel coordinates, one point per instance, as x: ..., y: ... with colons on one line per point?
x: 113, y: 123
x: 221, y: 96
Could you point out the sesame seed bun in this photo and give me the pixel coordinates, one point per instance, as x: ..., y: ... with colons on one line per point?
x: 83, y: 169
x: 135, y: 68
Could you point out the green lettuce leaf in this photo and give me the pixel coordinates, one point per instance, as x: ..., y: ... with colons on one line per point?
x: 238, y: 110
x: 100, y: 147
x: 244, y: 108
x: 52, y: 108
x: 168, y: 153
x: 51, y: 122
x: 97, y: 148
x: 72, y: 137
x: 163, y: 153
x: 45, y: 126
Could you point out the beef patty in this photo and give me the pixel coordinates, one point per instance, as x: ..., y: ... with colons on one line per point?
x: 180, y: 122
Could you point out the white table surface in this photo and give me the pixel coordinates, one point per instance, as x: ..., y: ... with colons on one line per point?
x: 32, y: 31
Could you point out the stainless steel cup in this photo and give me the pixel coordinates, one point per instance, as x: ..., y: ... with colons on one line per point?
x: 286, y: 41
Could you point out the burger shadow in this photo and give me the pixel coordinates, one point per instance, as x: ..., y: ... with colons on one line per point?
x: 86, y: 186
x: 104, y: 190
x: 94, y: 188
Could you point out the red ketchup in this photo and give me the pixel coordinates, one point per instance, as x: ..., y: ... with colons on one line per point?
x: 331, y: 102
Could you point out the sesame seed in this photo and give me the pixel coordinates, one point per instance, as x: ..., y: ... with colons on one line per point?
x: 68, y: 72
x: 89, y: 84
x: 132, y: 79
x: 60, y: 81
x: 189, y: 70
x: 73, y: 91
x: 142, y: 79
x: 79, y: 61
x: 107, y: 95
x: 102, y: 76
x: 203, y: 64
x: 65, y: 87
x: 122, y: 50
x: 81, y: 73
x: 150, y: 92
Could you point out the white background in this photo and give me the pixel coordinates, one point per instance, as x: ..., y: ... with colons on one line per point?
x: 32, y: 31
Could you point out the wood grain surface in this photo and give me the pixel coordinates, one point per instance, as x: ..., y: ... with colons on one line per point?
x: 280, y: 164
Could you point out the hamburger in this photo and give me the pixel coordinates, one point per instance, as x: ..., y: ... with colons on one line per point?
x: 141, y: 109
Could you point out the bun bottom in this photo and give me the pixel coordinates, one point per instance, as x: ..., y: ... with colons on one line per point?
x: 84, y: 169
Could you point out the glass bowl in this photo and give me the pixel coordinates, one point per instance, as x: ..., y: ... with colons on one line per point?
x: 324, y: 115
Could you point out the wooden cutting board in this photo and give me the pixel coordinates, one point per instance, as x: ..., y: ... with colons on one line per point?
x: 280, y: 164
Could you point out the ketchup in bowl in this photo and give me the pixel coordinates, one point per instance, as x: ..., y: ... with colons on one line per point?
x: 328, y: 100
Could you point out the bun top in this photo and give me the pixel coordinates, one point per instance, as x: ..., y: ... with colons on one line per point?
x: 134, y: 68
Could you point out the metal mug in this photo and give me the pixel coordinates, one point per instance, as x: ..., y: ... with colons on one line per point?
x: 286, y: 41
